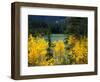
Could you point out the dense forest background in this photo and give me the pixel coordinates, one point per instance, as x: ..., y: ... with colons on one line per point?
x: 57, y: 25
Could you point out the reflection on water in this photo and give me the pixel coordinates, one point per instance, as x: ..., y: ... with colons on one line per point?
x: 55, y: 37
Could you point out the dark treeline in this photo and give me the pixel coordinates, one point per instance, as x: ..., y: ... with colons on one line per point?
x: 57, y: 25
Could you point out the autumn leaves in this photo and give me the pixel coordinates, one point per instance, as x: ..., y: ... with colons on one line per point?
x: 73, y: 51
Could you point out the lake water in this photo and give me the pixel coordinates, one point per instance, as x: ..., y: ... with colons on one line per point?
x: 55, y: 37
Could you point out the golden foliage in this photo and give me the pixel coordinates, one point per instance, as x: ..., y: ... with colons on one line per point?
x: 59, y: 47
x: 72, y: 39
x: 37, y: 48
x: 80, y: 51
x: 38, y: 51
x: 58, y: 51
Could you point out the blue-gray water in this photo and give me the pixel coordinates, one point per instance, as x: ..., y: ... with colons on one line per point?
x: 55, y: 37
